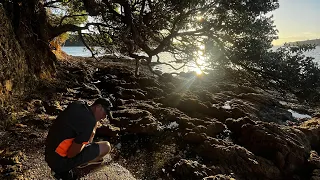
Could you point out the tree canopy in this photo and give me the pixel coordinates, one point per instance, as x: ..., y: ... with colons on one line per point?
x: 185, y: 28
x: 220, y: 33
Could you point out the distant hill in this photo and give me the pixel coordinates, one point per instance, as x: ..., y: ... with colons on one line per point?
x: 312, y: 41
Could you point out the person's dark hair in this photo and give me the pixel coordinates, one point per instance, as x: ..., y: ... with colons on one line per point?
x: 106, y: 104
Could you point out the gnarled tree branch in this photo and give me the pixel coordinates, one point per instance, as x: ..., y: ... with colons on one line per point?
x: 86, y: 45
x: 71, y: 16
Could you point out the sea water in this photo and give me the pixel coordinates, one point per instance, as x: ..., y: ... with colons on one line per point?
x: 167, y: 57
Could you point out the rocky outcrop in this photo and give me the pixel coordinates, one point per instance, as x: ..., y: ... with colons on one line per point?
x: 311, y: 129
x: 163, y: 128
x: 136, y: 121
x: 13, y: 62
x: 288, y: 148
x: 314, y: 161
x: 188, y: 169
x: 25, y: 58
x: 11, y: 162
x: 221, y: 131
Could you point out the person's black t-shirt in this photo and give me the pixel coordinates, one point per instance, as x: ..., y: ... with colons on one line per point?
x: 75, y: 123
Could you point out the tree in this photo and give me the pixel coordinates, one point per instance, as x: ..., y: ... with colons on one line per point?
x: 224, y: 33
x: 183, y: 28
x: 290, y: 69
x: 66, y: 12
x: 149, y: 27
x: 144, y: 28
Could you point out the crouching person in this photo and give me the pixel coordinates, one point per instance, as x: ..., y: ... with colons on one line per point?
x: 69, y: 141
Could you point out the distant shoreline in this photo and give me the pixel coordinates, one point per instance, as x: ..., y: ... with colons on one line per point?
x: 74, y: 40
x: 312, y: 41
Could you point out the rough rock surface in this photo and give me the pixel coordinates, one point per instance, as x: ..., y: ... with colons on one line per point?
x: 13, y: 66
x: 180, y: 127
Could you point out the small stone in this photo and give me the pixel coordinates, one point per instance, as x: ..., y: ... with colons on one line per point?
x: 21, y: 125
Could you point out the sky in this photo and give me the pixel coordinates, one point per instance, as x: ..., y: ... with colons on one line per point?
x: 297, y: 20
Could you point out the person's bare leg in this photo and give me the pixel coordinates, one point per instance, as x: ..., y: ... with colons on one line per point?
x: 104, y: 149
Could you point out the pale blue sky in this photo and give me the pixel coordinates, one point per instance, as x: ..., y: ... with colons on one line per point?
x: 297, y: 20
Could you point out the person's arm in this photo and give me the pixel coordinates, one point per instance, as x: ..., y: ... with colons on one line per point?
x: 83, y: 138
x: 74, y: 149
x: 93, y: 133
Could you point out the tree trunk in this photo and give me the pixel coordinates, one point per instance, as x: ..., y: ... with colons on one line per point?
x: 29, y: 23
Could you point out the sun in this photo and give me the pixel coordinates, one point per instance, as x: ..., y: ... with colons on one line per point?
x: 198, y: 71
x: 202, y: 47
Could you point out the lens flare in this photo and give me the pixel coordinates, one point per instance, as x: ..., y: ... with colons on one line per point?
x: 198, y: 71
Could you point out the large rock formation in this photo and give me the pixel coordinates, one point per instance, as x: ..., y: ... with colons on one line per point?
x: 163, y: 129
x: 13, y: 64
x: 24, y: 51
x: 225, y: 131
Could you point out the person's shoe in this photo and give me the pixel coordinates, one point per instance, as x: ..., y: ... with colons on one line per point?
x: 91, y: 163
x: 69, y: 175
